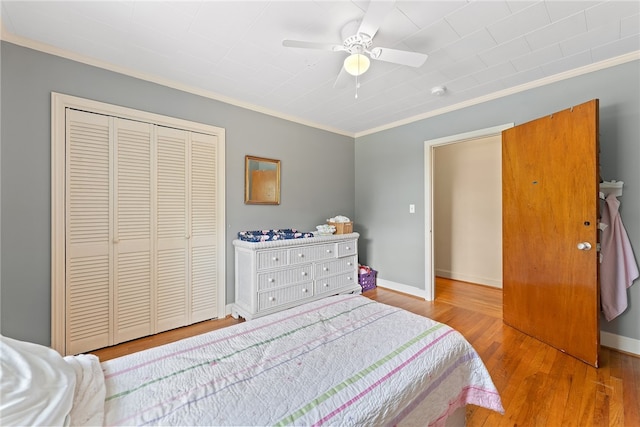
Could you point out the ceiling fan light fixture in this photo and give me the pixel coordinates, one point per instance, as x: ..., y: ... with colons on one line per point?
x: 356, y: 64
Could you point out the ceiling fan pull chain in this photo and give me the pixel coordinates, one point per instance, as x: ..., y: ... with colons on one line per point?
x: 358, y: 77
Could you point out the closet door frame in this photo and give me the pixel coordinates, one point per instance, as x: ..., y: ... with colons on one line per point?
x: 59, y: 104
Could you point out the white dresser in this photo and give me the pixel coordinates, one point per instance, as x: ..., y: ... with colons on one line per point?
x: 275, y: 275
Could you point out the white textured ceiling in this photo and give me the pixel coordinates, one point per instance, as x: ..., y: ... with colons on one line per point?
x: 232, y: 50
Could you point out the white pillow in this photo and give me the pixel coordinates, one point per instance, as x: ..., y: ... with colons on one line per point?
x: 36, y: 385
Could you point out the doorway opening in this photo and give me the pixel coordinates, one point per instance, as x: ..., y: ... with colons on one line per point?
x: 431, y: 213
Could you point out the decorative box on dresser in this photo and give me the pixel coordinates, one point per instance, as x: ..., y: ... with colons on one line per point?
x: 275, y: 275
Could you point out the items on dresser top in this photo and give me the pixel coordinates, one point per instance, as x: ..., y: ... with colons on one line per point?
x: 325, y: 230
x: 278, y: 234
x: 341, y: 224
x: 275, y: 275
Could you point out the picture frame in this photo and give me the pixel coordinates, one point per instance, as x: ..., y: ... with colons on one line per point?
x: 261, y: 181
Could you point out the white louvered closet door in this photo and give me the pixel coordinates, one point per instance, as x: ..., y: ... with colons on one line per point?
x: 140, y: 230
x: 172, y: 230
x: 203, y: 236
x: 132, y: 172
x: 88, y: 231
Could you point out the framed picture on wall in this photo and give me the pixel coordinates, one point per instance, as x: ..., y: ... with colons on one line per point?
x: 261, y: 181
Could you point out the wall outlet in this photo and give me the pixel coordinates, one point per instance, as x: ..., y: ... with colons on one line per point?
x: 412, y: 208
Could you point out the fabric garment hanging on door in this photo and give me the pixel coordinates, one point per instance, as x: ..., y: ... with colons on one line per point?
x: 619, y: 267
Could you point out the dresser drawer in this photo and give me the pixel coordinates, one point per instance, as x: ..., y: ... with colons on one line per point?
x: 271, y: 259
x: 330, y: 268
x: 347, y: 248
x: 276, y: 297
x: 274, y: 275
x: 277, y: 278
x: 329, y: 284
x: 312, y: 253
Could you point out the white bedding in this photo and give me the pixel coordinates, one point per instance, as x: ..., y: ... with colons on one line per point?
x: 36, y: 385
x: 89, y: 393
x: 343, y: 360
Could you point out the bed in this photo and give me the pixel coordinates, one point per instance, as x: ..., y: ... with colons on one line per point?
x: 342, y: 360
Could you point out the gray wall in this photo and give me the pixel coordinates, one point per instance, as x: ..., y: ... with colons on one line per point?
x: 390, y: 171
x: 313, y: 187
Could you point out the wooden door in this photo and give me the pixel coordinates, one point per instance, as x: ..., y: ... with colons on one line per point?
x: 550, y: 216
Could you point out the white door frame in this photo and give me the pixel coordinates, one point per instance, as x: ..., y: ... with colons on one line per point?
x: 429, y: 147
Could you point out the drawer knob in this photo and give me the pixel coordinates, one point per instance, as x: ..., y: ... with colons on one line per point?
x: 349, y: 278
x: 275, y: 258
x: 349, y: 263
x: 271, y: 280
x: 347, y: 248
x: 304, y: 273
x: 304, y: 291
x: 326, y: 268
x: 328, y: 251
x: 326, y: 285
x: 300, y: 255
x: 272, y: 298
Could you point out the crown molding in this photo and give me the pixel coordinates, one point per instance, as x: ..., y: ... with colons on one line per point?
x: 612, y: 62
x: 43, y: 47
x: 9, y: 37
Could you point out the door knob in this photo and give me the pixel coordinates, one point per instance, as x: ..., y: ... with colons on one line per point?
x: 584, y: 246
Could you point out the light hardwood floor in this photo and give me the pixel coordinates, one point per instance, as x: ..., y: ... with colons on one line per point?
x: 539, y: 386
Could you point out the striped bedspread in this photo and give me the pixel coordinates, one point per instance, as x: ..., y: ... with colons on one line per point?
x: 343, y: 360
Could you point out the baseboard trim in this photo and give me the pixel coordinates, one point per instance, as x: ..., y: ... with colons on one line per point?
x: 399, y: 287
x: 618, y: 342
x: 227, y: 309
x: 494, y: 283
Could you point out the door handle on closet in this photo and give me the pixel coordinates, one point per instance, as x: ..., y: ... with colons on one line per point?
x: 584, y: 246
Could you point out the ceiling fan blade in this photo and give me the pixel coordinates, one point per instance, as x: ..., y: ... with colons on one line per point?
x: 313, y: 45
x: 373, y: 19
x: 402, y: 57
x: 342, y: 80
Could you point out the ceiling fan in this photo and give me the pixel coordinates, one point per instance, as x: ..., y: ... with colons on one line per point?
x: 358, y: 43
